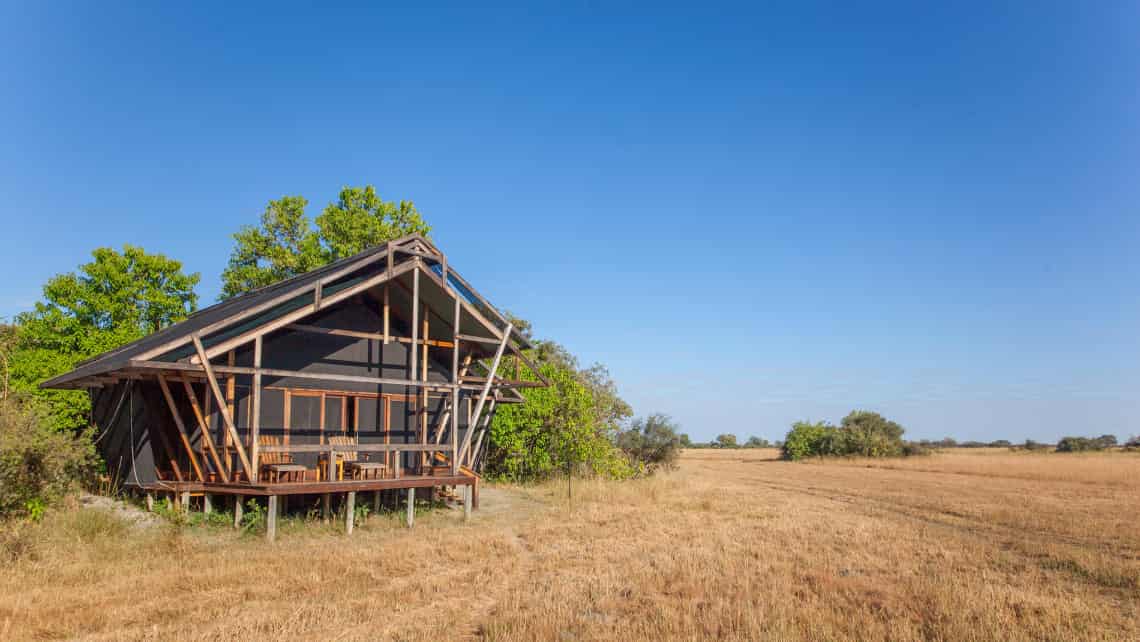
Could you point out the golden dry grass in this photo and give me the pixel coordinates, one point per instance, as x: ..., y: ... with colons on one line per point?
x: 734, y: 545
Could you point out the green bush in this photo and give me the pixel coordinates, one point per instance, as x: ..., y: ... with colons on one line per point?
x: 652, y: 443
x: 1085, y: 444
x: 805, y: 439
x: 861, y: 433
x: 39, y: 465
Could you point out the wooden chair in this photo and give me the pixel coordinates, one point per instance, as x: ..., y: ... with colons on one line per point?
x: 356, y: 467
x: 275, y: 465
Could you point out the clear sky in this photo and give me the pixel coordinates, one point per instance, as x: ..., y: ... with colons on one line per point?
x: 752, y: 216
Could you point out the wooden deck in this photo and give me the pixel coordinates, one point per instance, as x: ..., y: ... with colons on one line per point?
x: 263, y: 489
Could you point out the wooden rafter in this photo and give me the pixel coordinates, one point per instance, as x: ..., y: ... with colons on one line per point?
x: 226, y: 417
x: 181, y: 428
x: 203, y: 426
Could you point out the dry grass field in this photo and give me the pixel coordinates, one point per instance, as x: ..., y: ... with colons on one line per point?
x: 734, y: 545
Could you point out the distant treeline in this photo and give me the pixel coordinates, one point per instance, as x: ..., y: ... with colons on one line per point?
x: 869, y: 434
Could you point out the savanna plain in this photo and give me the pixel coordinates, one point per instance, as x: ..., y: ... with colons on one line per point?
x: 734, y: 544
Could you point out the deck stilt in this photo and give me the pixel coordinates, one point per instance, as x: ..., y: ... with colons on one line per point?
x: 326, y: 506
x: 349, y: 512
x: 271, y: 519
x: 467, y: 502
x: 411, y: 507
x: 149, y: 502
x: 237, y: 511
x: 207, y: 504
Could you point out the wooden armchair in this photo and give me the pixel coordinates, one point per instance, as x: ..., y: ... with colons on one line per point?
x: 275, y: 466
x: 356, y: 467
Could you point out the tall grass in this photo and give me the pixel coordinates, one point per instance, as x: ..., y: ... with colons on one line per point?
x: 735, y: 545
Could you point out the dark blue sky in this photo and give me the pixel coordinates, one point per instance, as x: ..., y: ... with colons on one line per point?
x: 753, y: 216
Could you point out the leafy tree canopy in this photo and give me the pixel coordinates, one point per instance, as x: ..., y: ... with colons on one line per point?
x: 286, y: 243
x: 726, y: 440
x: 116, y: 298
x: 652, y: 442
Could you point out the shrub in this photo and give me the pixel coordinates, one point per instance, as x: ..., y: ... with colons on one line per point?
x: 652, y: 442
x: 861, y: 433
x: 727, y: 440
x: 915, y: 449
x: 805, y: 439
x: 38, y: 464
x: 1084, y: 444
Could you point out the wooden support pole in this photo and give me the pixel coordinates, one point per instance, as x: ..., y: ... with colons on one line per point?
x: 237, y: 511
x: 466, y: 502
x: 271, y: 519
x: 231, y: 393
x: 454, y: 456
x: 207, y: 504
x: 255, y: 419
x: 411, y: 513
x: 349, y: 511
x: 181, y: 428
x: 226, y: 417
x: 326, y: 506
x: 415, y: 319
x: 376, y: 501
x: 486, y: 389
x: 482, y: 433
x: 149, y: 501
x: 387, y: 322
x: 185, y: 501
x: 203, y: 427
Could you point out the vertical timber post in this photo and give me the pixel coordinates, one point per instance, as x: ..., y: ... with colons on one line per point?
x: 207, y: 503
x: 326, y: 506
x: 376, y: 501
x: 455, y: 391
x: 149, y: 501
x: 185, y: 501
x: 467, y: 498
x: 237, y: 511
x: 271, y: 519
x: 411, y: 507
x: 255, y: 419
x: 349, y: 511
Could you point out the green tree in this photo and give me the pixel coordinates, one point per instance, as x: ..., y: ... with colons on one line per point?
x: 726, y: 440
x: 286, y: 243
x: 556, y: 428
x: 756, y: 442
x: 805, y: 439
x: 652, y: 442
x: 686, y: 442
x: 871, y: 435
x: 116, y: 298
x: 360, y: 219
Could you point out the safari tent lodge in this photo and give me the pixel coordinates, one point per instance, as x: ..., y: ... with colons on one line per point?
x: 373, y: 374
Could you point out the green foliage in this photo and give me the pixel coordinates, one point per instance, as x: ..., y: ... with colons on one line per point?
x: 286, y: 243
x: 568, y: 425
x: 253, y: 518
x: 1085, y: 444
x: 652, y: 442
x: 861, y: 433
x: 726, y: 441
x: 757, y: 442
x: 805, y: 439
x: 39, y: 465
x: 1034, y: 445
x: 869, y: 434
x: 116, y: 298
